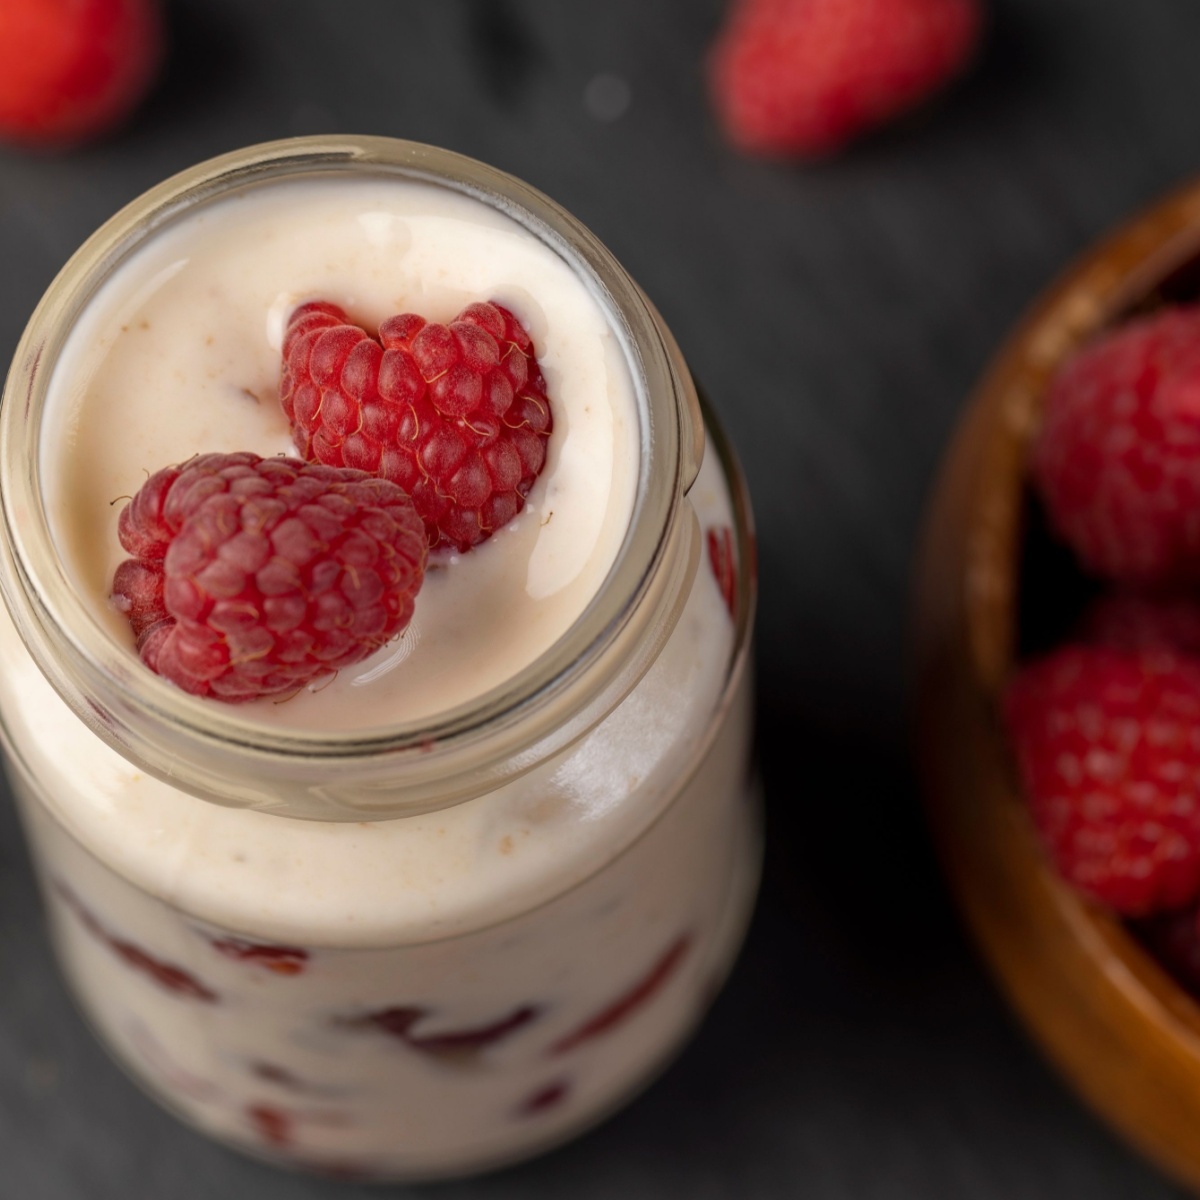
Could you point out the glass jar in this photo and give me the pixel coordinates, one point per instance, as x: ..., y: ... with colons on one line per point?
x: 434, y: 948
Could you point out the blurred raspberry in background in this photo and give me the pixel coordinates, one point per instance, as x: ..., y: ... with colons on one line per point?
x: 805, y: 77
x: 71, y: 70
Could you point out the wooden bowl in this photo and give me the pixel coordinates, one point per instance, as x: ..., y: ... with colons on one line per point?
x: 1120, y: 1030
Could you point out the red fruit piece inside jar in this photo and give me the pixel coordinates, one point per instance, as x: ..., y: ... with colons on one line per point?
x: 624, y: 1006
x: 272, y: 1125
x: 166, y: 975
x: 723, y: 563
x: 453, y: 1044
x: 545, y: 1099
x: 73, y: 69
x: 280, y: 960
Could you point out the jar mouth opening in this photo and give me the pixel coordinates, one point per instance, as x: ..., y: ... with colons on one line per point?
x: 44, y: 595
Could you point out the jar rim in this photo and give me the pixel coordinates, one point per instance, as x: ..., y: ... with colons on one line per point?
x: 212, y: 749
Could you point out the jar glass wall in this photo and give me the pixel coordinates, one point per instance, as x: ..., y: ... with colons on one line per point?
x: 500, y: 924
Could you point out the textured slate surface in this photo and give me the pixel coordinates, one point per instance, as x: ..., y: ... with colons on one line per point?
x: 838, y: 315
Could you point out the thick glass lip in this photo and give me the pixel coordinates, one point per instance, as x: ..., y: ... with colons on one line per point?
x: 212, y: 749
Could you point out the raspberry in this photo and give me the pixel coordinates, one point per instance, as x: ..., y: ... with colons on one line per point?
x: 456, y: 414
x: 72, y: 69
x: 1117, y: 461
x: 622, y: 1007
x: 723, y: 562
x: 1108, y: 747
x: 805, y: 77
x: 253, y: 576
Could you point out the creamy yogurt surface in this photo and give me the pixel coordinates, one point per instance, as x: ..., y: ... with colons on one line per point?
x: 179, y: 353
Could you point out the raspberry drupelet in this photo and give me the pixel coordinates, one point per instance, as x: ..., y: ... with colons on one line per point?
x: 457, y: 415
x: 252, y: 577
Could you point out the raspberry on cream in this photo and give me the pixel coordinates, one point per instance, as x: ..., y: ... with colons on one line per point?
x: 253, y: 577
x: 456, y: 414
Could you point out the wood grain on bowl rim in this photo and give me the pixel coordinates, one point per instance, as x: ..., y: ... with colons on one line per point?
x: 1114, y: 1023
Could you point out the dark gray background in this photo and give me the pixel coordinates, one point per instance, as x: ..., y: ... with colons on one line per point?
x: 838, y: 315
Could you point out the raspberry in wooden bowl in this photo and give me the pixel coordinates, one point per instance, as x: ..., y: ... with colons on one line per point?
x: 1064, y: 622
